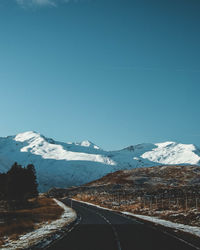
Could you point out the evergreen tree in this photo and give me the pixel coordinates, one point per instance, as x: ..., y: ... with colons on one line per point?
x: 15, y: 183
x: 21, y: 183
x: 32, y: 181
x: 3, y: 181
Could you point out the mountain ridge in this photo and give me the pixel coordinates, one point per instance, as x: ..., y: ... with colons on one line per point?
x: 74, y: 163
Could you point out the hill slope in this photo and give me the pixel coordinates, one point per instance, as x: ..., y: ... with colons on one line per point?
x: 153, y: 178
x: 66, y: 164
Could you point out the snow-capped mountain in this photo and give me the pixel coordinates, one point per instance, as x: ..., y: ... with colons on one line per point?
x: 66, y: 164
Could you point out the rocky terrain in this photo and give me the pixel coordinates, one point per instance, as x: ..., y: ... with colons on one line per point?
x: 168, y: 192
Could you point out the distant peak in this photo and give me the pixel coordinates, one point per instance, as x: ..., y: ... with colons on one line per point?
x: 139, y: 146
x: 26, y: 136
x: 165, y: 144
x: 130, y: 148
x: 87, y: 143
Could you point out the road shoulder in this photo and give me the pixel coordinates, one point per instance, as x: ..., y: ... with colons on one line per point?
x: 187, y: 234
x: 46, y: 234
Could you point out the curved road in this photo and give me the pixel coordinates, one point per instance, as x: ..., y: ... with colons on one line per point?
x: 100, y: 229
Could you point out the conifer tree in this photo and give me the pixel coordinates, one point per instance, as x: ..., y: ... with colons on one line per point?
x: 32, y: 181
x: 3, y: 181
x: 15, y: 189
x: 21, y: 183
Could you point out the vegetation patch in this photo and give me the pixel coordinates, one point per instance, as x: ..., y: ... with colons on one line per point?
x: 21, y: 209
x: 167, y: 192
x: 184, y: 211
x: 19, y: 221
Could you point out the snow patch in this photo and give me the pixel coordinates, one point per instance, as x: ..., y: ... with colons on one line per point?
x: 184, y: 228
x: 26, y: 136
x: 172, y: 153
x: 88, y: 144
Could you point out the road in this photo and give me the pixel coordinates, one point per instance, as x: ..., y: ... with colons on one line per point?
x: 100, y: 229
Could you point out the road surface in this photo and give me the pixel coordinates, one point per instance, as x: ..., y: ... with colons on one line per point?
x: 100, y: 229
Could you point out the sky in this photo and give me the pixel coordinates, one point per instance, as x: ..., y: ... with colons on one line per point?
x: 115, y: 72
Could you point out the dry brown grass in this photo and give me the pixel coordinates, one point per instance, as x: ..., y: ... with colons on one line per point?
x: 21, y: 221
x: 172, y: 213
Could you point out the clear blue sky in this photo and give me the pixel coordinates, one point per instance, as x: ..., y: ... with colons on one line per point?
x: 116, y: 72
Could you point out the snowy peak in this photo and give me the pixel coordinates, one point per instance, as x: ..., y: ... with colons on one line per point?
x: 87, y: 143
x: 65, y: 164
x: 27, y: 136
x: 31, y: 136
x: 37, y: 144
x: 165, y: 144
x: 84, y: 146
x: 173, y: 153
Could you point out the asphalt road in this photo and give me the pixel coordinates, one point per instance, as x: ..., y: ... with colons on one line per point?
x: 100, y: 229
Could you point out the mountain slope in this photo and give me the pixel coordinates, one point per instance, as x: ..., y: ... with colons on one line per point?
x: 66, y: 164
x: 153, y: 178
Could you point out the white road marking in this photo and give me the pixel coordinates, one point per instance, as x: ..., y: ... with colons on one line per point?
x: 139, y: 222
